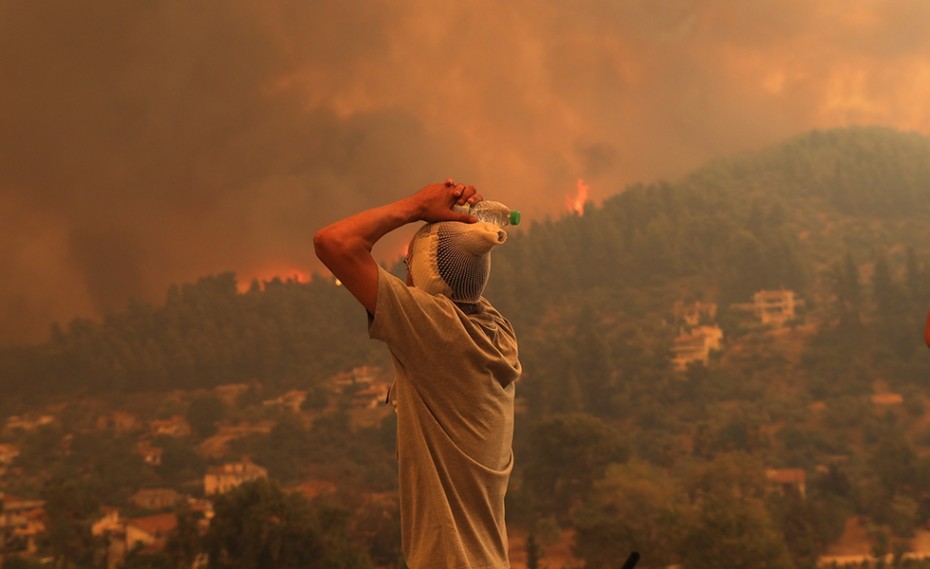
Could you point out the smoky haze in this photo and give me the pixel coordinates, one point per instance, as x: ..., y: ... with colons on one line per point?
x: 149, y: 143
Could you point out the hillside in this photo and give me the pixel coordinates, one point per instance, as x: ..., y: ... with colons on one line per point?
x: 777, y: 218
x: 610, y: 429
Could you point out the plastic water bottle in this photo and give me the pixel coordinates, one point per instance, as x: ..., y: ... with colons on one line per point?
x: 492, y: 212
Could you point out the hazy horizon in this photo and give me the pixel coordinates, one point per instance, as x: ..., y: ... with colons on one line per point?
x: 145, y: 145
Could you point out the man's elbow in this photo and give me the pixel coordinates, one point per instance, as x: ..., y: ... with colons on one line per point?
x: 337, y: 250
x: 326, y: 245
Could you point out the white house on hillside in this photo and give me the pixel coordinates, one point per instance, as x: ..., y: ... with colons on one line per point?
x: 696, y: 346
x: 774, y: 306
x: 223, y: 478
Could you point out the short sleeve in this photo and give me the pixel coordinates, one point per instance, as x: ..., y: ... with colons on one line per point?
x: 409, y: 320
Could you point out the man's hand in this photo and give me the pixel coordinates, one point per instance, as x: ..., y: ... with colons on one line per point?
x: 434, y: 202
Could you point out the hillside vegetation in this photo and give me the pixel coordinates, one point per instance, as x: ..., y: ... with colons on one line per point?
x: 613, y: 442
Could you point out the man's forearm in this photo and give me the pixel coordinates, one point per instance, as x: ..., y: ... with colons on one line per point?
x: 345, y: 246
x: 357, y: 234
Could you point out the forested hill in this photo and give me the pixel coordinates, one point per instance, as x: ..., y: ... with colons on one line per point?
x: 763, y: 220
x: 821, y: 214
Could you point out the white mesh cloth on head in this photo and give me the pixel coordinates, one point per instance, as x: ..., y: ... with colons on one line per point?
x: 453, y: 258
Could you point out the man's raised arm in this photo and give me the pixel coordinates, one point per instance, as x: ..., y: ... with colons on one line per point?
x: 345, y: 246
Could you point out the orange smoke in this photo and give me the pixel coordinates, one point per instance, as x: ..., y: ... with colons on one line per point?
x: 576, y: 203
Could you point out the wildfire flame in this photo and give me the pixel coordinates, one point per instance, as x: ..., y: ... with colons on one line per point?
x: 269, y: 274
x: 576, y: 203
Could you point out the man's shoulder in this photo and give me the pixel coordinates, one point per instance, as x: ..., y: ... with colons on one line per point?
x: 399, y: 297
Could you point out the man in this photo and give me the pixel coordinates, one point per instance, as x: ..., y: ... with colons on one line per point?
x: 455, y: 360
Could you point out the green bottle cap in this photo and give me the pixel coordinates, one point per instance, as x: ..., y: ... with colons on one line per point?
x: 514, y: 217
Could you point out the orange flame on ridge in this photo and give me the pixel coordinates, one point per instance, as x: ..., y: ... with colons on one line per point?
x: 576, y: 203
x: 268, y: 274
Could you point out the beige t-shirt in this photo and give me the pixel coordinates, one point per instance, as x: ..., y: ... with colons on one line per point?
x: 453, y: 392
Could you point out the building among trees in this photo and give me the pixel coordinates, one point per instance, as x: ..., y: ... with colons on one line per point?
x: 773, y: 307
x: 221, y: 479
x: 696, y: 346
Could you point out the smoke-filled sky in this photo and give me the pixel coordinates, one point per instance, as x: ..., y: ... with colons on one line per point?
x: 150, y: 143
